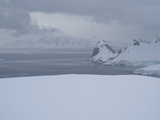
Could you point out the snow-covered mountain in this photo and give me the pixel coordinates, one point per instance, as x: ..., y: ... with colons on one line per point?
x: 43, y: 39
x: 139, y: 53
x: 103, y: 52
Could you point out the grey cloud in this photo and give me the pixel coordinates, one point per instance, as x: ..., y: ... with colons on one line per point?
x: 140, y: 13
x: 15, y: 18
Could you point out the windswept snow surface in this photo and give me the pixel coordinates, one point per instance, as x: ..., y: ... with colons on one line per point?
x: 80, y: 97
x: 150, y: 70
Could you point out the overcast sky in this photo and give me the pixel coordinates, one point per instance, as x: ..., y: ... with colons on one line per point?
x: 114, y: 20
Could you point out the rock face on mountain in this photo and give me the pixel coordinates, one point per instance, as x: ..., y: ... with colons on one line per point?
x: 103, y: 52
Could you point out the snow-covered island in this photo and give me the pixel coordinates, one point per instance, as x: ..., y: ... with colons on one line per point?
x: 139, y: 53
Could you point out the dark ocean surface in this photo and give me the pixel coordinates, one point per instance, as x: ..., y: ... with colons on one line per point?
x: 54, y: 62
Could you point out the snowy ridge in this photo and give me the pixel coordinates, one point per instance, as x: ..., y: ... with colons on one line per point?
x: 139, y: 53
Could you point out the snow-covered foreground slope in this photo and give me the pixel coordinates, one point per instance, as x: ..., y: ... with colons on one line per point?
x: 80, y: 97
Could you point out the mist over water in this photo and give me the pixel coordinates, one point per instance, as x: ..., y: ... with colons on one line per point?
x: 54, y: 62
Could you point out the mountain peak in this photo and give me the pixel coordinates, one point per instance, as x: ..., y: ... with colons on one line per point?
x: 102, y: 48
x: 136, y: 42
x: 101, y: 42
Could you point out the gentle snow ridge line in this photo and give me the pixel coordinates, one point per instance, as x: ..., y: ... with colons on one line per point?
x: 80, y: 97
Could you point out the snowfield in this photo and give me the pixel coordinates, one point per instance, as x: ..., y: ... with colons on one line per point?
x: 80, y: 97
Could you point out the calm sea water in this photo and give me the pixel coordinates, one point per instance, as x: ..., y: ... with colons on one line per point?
x: 18, y: 64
